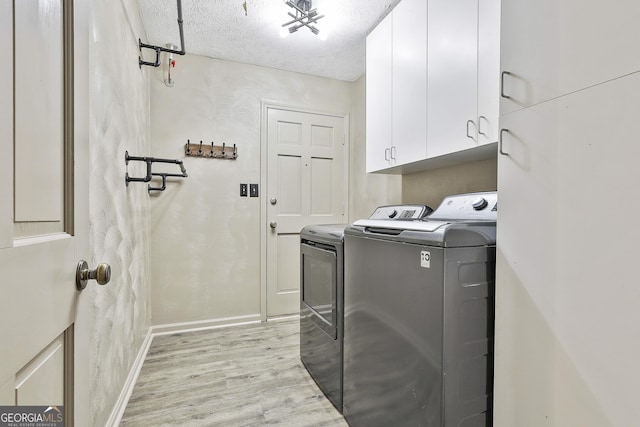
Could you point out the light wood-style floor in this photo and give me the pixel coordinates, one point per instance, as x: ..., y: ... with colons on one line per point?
x: 248, y: 375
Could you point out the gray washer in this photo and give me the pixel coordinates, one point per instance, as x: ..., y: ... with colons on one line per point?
x: 419, y: 310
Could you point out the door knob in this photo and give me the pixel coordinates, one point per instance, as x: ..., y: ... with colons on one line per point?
x: 273, y: 224
x: 102, y: 274
x: 273, y: 200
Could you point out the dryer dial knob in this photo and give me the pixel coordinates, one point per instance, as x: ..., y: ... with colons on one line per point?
x: 479, y: 203
x: 393, y: 213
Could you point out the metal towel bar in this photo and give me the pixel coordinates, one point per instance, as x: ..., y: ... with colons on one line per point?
x: 150, y: 174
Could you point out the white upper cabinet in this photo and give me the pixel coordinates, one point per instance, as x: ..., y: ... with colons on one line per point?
x: 464, y: 70
x: 379, y: 96
x: 557, y: 47
x: 409, y: 82
x: 452, y: 76
x: 433, y: 71
x: 488, y: 71
x: 397, y: 87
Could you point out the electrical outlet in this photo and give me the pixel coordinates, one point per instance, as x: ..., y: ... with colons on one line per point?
x: 253, y: 190
x: 243, y: 190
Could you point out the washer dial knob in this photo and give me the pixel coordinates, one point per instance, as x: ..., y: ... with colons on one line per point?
x: 479, y: 203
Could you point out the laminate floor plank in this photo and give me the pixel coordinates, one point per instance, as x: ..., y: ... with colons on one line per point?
x: 249, y: 375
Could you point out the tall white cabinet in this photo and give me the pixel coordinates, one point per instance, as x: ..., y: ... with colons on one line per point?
x: 567, y: 335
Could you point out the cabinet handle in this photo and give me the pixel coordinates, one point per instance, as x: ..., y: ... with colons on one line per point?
x: 502, y: 94
x: 502, y: 131
x: 474, y: 125
x: 387, y: 151
x: 480, y: 125
x: 393, y: 151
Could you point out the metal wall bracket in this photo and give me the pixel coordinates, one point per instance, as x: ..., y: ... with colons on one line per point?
x: 150, y: 174
x: 158, y: 49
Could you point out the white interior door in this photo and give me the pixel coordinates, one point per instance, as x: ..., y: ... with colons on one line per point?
x: 306, y: 184
x: 43, y: 199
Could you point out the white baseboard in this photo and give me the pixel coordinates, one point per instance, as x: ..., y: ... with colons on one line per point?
x: 173, y: 328
x: 127, y: 389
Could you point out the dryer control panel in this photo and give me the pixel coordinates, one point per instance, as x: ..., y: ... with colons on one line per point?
x: 401, y: 212
x: 480, y: 206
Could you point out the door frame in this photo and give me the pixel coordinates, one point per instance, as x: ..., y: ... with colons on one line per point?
x: 266, y: 105
x: 83, y: 322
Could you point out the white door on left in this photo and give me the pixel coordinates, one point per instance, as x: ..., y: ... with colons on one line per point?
x: 43, y: 199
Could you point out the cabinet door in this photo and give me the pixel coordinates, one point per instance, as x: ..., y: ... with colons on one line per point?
x: 379, y: 95
x: 555, y: 47
x: 488, y: 70
x: 566, y: 290
x: 452, y: 75
x: 409, y: 82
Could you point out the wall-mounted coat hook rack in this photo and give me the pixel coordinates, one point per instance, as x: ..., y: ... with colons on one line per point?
x: 159, y: 49
x: 211, y: 151
x: 150, y: 174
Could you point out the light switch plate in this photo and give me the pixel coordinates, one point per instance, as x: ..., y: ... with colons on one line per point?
x: 243, y: 190
x: 253, y: 190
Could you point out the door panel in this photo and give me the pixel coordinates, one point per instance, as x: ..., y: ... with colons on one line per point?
x: 305, y: 179
x: 38, y: 99
x: 288, y: 274
x: 321, y: 187
x: 42, y: 380
x: 289, y: 172
x: 322, y: 137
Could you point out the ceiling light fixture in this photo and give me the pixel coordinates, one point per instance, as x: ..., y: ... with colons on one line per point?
x: 304, y: 16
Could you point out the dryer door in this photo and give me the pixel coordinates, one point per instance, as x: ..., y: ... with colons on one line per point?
x: 319, y: 284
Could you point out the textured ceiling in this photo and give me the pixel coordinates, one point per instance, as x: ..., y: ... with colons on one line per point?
x: 220, y: 29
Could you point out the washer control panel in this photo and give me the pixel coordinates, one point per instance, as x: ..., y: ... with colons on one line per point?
x: 480, y: 206
x: 401, y: 212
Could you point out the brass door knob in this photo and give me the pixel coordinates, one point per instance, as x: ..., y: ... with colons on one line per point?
x: 102, y: 274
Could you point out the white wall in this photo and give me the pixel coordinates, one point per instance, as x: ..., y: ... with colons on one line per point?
x: 206, y: 238
x: 430, y: 187
x: 119, y: 216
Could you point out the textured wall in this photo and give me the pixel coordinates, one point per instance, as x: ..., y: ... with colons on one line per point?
x: 430, y: 187
x: 119, y: 216
x: 205, y: 237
